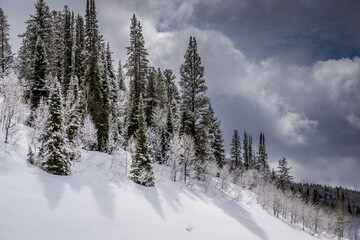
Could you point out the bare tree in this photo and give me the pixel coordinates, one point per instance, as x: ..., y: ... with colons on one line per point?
x: 12, y: 108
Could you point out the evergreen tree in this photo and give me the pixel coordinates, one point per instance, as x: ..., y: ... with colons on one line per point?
x: 194, y: 103
x: 53, y: 153
x: 38, y: 29
x: 166, y: 136
x: 68, y: 49
x: 251, y: 155
x: 79, y: 51
x: 72, y: 120
x: 193, y: 89
x: 150, y: 96
x: 137, y: 66
x: 283, y: 174
x: 172, y: 92
x: 262, y: 164
x: 246, y: 151
x: 30, y: 156
x: 6, y: 56
x: 141, y: 167
x: 93, y: 85
x: 55, y: 56
x: 216, y: 138
x: 160, y: 89
x: 38, y: 84
x: 121, y: 78
x: 235, y: 151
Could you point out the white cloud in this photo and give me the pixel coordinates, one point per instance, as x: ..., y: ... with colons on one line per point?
x: 353, y: 120
x: 294, y: 126
x: 340, y: 78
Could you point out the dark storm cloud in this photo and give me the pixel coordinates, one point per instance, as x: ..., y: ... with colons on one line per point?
x: 297, y: 31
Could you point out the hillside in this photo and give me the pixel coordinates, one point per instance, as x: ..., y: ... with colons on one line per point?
x: 98, y: 202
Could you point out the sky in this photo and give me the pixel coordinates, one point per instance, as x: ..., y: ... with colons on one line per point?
x: 290, y: 69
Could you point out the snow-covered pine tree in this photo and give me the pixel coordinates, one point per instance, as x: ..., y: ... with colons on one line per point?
x: 56, y: 49
x: 53, y: 153
x: 39, y: 88
x: 38, y: 26
x: 121, y: 77
x: 251, y: 152
x: 79, y: 51
x: 150, y: 99
x: 68, y: 50
x: 216, y: 138
x: 6, y: 56
x: 203, y: 146
x: 137, y: 66
x: 166, y: 135
x: 160, y: 89
x: 235, y: 151
x: 194, y: 102
x: 172, y: 92
x: 72, y: 120
x: 30, y: 156
x: 262, y: 164
x: 246, y: 151
x: 283, y: 174
x: 116, y: 101
x: 141, y: 167
x: 94, y: 84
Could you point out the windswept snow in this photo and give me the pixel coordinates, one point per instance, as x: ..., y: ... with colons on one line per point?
x: 99, y: 202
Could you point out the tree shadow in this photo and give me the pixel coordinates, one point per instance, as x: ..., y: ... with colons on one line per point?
x: 151, y: 194
x: 54, y: 188
x: 238, y: 212
x: 229, y: 206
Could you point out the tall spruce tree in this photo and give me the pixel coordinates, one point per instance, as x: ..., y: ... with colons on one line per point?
x: 68, y: 49
x: 137, y: 66
x: 93, y: 83
x: 141, y: 167
x: 251, y: 155
x: 121, y: 77
x: 79, y: 51
x: 262, y: 163
x: 6, y: 56
x: 194, y: 102
x: 160, y: 89
x: 193, y: 88
x: 216, y: 138
x: 53, y: 152
x: 235, y: 151
x: 246, y: 151
x: 72, y: 119
x: 283, y: 174
x: 38, y: 29
x: 39, y: 88
x: 150, y: 96
x: 55, y: 56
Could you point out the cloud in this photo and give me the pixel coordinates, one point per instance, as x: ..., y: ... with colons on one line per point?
x: 293, y: 127
x: 334, y: 171
x: 353, y: 120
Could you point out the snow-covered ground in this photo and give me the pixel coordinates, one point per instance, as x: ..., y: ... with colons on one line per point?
x: 99, y: 202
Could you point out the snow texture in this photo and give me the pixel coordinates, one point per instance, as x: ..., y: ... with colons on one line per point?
x: 98, y: 201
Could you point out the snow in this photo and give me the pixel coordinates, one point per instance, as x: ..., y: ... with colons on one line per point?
x: 99, y: 202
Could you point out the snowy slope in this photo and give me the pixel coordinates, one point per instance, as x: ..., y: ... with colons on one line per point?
x: 98, y: 202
